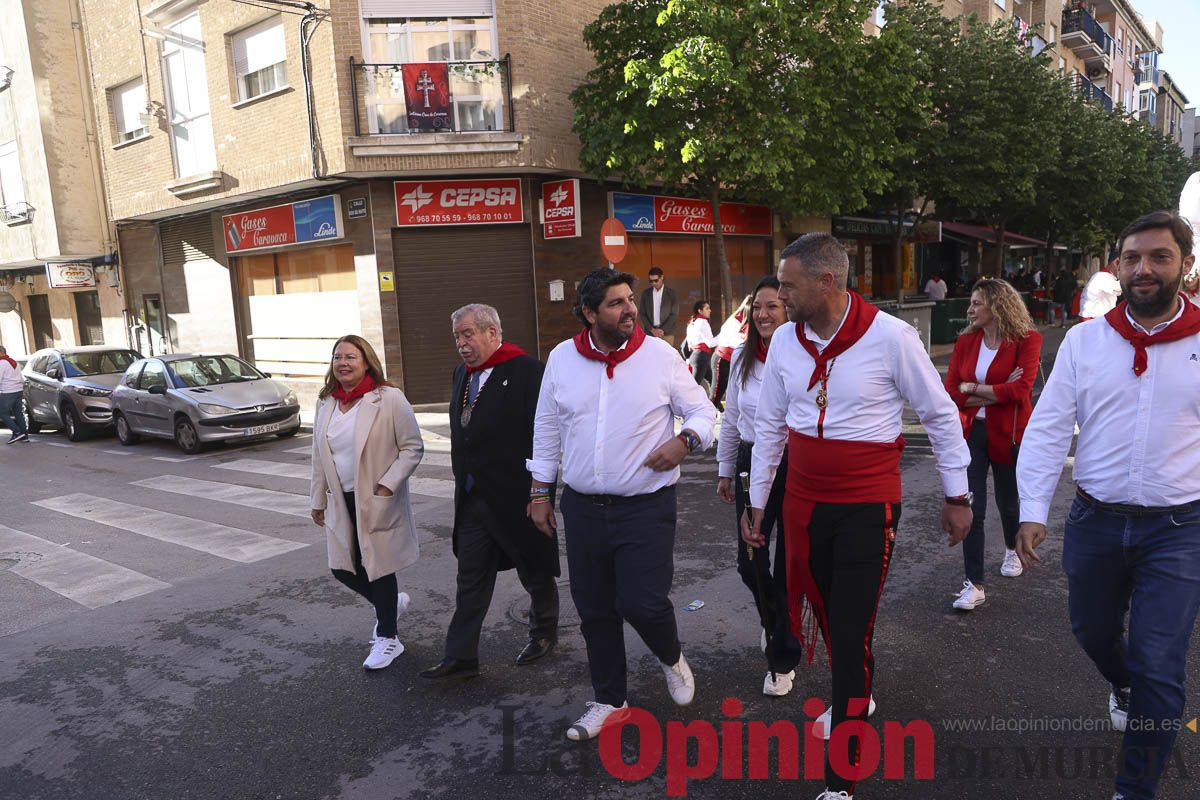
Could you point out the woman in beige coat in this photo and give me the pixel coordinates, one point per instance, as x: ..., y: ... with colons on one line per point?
x: 366, y: 445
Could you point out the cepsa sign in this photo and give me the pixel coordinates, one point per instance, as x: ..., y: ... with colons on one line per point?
x: 478, y: 201
x: 560, y: 209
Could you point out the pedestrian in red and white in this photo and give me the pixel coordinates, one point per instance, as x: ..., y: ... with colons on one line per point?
x: 834, y: 389
x: 606, y: 411
x: 700, y: 342
x: 731, y: 335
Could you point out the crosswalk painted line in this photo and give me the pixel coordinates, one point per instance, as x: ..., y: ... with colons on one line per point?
x: 258, y: 466
x: 222, y: 541
x: 265, y: 499
x: 305, y: 449
x: 119, y: 452
x: 92, y: 582
x: 431, y: 487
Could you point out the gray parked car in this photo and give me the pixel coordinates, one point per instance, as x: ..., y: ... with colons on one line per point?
x: 198, y: 398
x: 70, y: 388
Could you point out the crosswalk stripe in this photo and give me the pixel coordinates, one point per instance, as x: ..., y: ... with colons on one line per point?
x: 92, y: 582
x: 233, y: 544
x: 257, y: 466
x: 119, y: 452
x: 432, y: 487
x: 265, y: 499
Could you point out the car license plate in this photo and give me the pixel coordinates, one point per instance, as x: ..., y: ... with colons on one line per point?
x: 258, y: 430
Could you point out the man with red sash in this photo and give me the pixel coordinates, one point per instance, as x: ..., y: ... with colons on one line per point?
x: 493, y: 400
x: 1131, y: 544
x: 607, y: 412
x: 834, y: 388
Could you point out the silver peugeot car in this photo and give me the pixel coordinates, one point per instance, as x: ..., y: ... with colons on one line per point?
x: 70, y: 388
x: 197, y: 398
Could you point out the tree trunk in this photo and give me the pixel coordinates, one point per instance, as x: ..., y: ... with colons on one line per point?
x: 1001, y: 231
x: 898, y: 254
x: 727, y: 300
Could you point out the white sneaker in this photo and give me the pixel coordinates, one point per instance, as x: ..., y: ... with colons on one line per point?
x: 780, y: 686
x: 680, y: 682
x: 821, y: 726
x: 383, y: 653
x: 402, y: 603
x: 830, y: 795
x: 970, y: 597
x: 1011, y: 567
x: 588, y: 726
x: 1118, y: 709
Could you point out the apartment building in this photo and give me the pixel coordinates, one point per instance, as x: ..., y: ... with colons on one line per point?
x: 59, y: 283
x: 426, y: 160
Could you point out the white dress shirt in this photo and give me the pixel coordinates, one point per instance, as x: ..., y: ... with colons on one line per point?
x: 1100, y: 295
x: 935, y: 290
x: 341, y: 444
x: 868, y: 385
x: 737, y: 423
x: 656, y: 295
x: 10, y: 379
x: 603, y: 429
x: 700, y: 332
x: 731, y: 334
x: 1139, y: 437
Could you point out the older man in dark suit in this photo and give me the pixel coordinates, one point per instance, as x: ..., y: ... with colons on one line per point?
x: 659, y: 308
x: 492, y: 409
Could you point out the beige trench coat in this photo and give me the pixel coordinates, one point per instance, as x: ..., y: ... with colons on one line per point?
x: 389, y: 447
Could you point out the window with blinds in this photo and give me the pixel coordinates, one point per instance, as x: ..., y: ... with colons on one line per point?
x: 128, y: 102
x: 260, y: 58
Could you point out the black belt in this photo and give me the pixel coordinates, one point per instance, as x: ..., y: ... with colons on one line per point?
x: 617, y: 499
x: 1136, y: 511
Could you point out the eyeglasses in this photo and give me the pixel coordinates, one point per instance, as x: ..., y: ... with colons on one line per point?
x: 348, y: 358
x: 656, y: 281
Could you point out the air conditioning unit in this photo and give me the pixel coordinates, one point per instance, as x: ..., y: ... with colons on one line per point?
x: 1095, y: 72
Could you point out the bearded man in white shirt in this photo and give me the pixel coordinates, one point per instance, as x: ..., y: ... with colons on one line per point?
x: 607, y: 409
x: 1131, y: 543
x: 833, y: 392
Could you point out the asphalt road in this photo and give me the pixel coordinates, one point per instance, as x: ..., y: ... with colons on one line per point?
x: 168, y: 629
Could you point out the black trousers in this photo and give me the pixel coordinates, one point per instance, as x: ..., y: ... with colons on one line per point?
x: 721, y: 368
x: 1008, y: 503
x: 381, y: 592
x: 700, y: 362
x: 621, y: 560
x: 786, y: 649
x: 851, y: 547
x: 479, y: 552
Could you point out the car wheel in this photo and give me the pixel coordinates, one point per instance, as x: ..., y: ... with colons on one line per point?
x: 288, y: 433
x: 125, y: 434
x: 31, y: 425
x: 186, y: 436
x: 72, y: 427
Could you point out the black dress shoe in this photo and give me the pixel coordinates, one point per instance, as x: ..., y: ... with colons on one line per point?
x: 452, y: 668
x: 534, y: 650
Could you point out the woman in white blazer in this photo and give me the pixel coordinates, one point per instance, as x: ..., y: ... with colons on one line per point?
x: 366, y: 445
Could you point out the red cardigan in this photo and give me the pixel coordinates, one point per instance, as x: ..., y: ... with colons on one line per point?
x: 1006, y: 420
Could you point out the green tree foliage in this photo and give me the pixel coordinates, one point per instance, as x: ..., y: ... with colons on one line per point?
x: 768, y: 100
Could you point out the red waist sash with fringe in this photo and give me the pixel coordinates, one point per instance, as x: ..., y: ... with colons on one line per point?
x: 829, y: 471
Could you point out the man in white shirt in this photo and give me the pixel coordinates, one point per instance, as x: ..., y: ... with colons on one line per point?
x: 607, y: 409
x: 11, y: 392
x: 1131, y: 543
x: 935, y: 287
x: 834, y: 388
x: 1102, y: 291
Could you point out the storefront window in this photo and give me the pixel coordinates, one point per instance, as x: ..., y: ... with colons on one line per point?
x: 320, y: 269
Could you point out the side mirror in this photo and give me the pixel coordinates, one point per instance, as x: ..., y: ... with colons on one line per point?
x: 54, y: 373
x: 267, y: 374
x: 157, y: 389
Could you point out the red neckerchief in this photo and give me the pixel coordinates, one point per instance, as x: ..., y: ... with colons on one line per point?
x: 364, y: 386
x: 761, y: 352
x: 583, y: 343
x: 858, y: 319
x: 1187, y: 325
x: 9, y: 359
x: 505, y: 352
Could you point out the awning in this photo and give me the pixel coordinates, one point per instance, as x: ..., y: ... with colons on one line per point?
x: 987, y: 235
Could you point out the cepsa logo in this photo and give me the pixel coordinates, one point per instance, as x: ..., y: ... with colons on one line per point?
x: 466, y: 197
x: 459, y: 202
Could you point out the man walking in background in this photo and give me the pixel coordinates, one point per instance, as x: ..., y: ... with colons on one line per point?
x: 659, y: 307
x: 11, y: 394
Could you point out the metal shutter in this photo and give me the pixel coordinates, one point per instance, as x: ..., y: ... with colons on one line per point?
x: 426, y: 9
x: 187, y: 240
x: 438, y: 271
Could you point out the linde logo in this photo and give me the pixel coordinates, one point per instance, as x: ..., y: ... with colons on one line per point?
x: 469, y: 196
x: 326, y: 230
x: 417, y: 199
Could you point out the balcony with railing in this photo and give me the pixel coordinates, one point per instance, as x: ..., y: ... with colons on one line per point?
x: 1087, y: 38
x: 15, y: 213
x: 1095, y: 92
x: 432, y: 108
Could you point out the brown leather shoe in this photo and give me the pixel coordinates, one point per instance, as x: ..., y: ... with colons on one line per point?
x: 535, y: 649
x: 452, y: 668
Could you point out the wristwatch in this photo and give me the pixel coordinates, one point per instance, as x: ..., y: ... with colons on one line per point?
x: 961, y: 500
x: 690, y: 440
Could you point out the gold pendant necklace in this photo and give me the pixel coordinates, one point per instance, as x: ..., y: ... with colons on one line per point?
x: 464, y: 416
x: 823, y: 392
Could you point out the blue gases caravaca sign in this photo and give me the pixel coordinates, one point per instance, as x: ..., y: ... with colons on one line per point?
x: 293, y: 223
